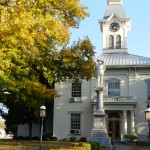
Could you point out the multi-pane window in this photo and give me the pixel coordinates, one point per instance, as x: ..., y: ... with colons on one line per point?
x: 75, y: 123
x: 114, y: 88
x: 76, y: 90
x: 148, y: 90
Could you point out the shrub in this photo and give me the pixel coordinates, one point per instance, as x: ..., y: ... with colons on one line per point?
x: 76, y: 146
x: 22, y: 138
x: 53, y: 138
x: 73, y: 139
x: 84, y: 146
x: 35, y: 138
x: 131, y: 137
x: 94, y: 145
x: 83, y: 139
x: 65, y: 139
x: 46, y: 137
x: 126, y: 136
x: 49, y: 137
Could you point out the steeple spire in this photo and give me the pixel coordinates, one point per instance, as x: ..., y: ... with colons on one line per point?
x: 115, y: 6
x: 114, y: 2
x: 115, y: 27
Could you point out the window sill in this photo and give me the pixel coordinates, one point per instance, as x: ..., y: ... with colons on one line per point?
x: 71, y: 134
x: 76, y: 102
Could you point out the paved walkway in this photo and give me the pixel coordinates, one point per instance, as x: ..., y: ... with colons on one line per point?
x: 123, y: 147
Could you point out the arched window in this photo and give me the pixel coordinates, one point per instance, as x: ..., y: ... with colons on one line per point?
x: 111, y: 42
x: 118, y: 41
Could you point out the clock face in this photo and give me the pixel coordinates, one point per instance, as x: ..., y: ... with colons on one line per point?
x: 114, y: 27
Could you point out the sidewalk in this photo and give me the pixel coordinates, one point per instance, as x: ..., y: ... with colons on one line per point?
x: 123, y: 147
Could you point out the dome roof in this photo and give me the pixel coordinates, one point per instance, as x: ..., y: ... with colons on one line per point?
x: 117, y: 9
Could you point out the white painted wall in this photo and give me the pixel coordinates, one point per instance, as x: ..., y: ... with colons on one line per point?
x: 132, y: 84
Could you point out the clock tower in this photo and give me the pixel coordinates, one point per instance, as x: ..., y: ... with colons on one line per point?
x: 114, y: 27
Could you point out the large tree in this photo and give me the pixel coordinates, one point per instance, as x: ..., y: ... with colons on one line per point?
x: 34, y: 55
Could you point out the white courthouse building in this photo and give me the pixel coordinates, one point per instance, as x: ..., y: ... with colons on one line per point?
x: 126, y: 81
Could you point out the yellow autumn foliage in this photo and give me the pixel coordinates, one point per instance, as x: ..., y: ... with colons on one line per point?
x: 33, y: 48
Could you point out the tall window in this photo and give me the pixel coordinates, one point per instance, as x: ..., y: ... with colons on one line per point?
x: 148, y: 90
x: 75, y: 123
x: 111, y: 42
x: 76, y: 90
x: 114, y: 88
x: 118, y: 41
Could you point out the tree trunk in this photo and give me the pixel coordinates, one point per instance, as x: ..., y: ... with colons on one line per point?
x: 15, y: 131
x: 30, y: 130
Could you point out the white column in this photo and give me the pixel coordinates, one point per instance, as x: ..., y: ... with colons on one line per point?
x: 132, y: 122
x: 114, y: 41
x: 124, y: 121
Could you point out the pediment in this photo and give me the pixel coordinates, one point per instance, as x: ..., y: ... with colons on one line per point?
x: 114, y: 15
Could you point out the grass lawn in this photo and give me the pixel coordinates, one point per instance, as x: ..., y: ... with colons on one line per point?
x: 31, y: 145
x: 141, y: 148
x: 141, y: 145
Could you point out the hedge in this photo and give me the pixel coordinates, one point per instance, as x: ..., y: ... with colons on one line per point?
x: 82, y: 146
x: 76, y: 146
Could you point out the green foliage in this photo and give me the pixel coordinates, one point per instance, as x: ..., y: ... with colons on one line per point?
x: 126, y: 136
x: 73, y: 139
x: 47, y: 137
x: 23, y: 138
x: 36, y: 138
x: 94, y: 145
x: 53, y: 138
x: 34, y: 54
x: 76, y: 146
x: 65, y: 139
x: 133, y: 137
x: 130, y: 137
x: 83, y: 139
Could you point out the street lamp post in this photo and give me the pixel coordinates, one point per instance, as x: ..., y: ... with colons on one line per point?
x: 147, y: 118
x: 4, y: 91
x: 42, y: 115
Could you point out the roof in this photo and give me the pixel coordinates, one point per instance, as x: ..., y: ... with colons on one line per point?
x: 117, y: 9
x: 124, y: 60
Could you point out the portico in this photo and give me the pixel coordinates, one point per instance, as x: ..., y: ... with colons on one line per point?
x: 120, y: 113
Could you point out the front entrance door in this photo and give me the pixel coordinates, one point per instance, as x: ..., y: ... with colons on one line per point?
x: 114, y: 125
x: 114, y: 129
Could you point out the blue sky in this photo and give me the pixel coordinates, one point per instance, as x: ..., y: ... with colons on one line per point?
x: 138, y: 37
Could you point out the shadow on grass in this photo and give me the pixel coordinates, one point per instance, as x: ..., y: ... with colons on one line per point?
x: 31, y: 145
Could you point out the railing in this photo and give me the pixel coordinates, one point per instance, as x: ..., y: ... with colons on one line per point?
x: 115, y: 99
x: 118, y: 99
